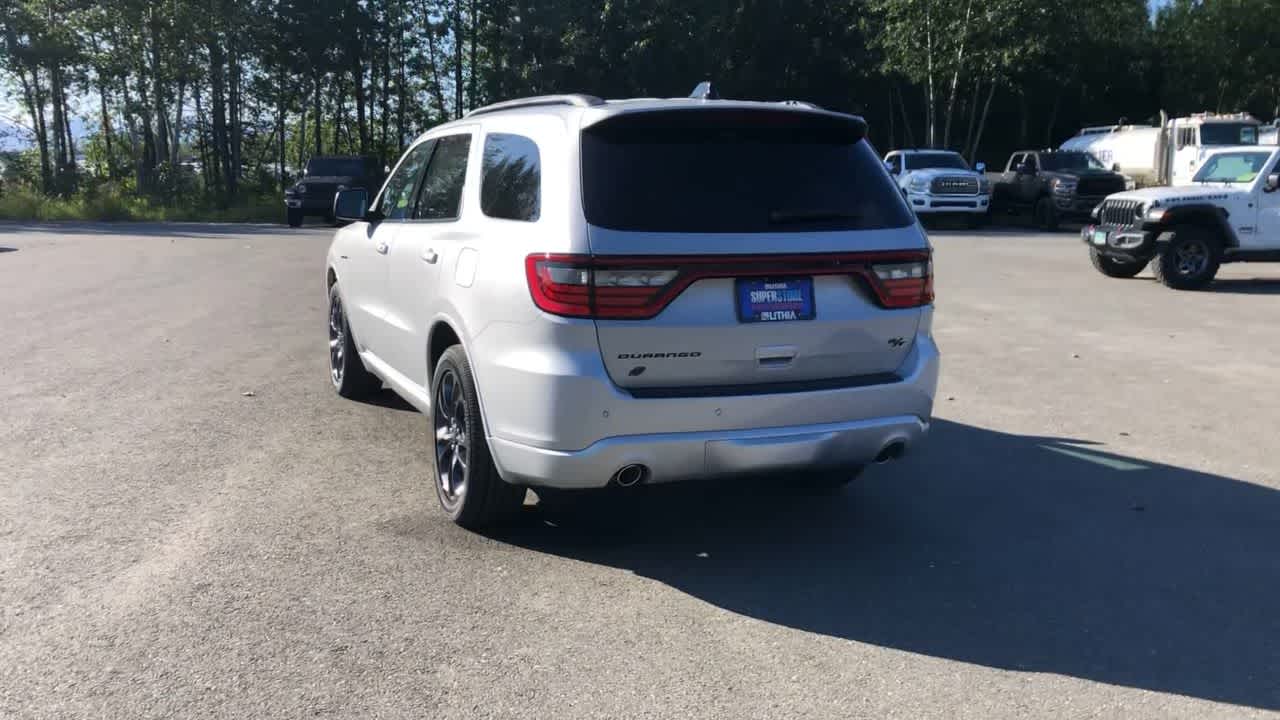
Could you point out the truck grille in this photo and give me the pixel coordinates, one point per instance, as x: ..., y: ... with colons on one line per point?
x: 1099, y: 186
x: 1119, y: 212
x: 954, y: 185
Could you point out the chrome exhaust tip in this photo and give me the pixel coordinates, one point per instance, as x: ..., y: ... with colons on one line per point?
x: 630, y: 475
x: 892, y: 451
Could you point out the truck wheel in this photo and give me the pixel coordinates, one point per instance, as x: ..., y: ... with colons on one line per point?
x: 467, y: 483
x: 1046, y: 215
x: 1113, y: 266
x: 295, y: 217
x: 1190, y: 260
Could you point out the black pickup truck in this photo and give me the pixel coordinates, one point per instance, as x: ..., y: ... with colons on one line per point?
x: 1053, y: 185
x: 313, y: 194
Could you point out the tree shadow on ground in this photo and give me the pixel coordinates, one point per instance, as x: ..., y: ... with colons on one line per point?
x: 160, y: 229
x: 1012, y: 552
x: 1246, y: 286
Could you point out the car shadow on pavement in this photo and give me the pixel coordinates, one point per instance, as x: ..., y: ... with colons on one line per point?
x: 7, y: 249
x: 387, y: 399
x: 1013, y: 552
x: 1243, y: 286
x: 152, y: 229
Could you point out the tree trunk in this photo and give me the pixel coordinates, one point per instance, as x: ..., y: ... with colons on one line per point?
x: 280, y: 112
x: 218, y: 102
x: 71, y: 138
x: 973, y: 116
x: 437, y: 88
x: 931, y: 118
x: 157, y: 91
x: 34, y: 97
x: 106, y: 126
x: 955, y: 75
x: 982, y: 124
x: 208, y: 169
x: 1053, y: 119
x: 474, y: 30
x: 57, y: 100
x: 908, y: 134
x: 362, y: 123
x: 386, y: 97
x: 457, y: 58
x: 236, y: 105
x: 319, y: 134
x: 175, y: 148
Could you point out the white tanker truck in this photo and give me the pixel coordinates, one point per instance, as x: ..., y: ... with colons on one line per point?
x: 1169, y: 153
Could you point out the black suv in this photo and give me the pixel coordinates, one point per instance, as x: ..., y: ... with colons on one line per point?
x: 1054, y: 185
x: 324, y: 177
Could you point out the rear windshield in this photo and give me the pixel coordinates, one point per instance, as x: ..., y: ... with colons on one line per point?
x: 319, y: 167
x: 709, y: 171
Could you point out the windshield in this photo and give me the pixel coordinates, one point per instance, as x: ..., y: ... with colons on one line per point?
x: 1228, y: 134
x: 920, y: 161
x: 1069, y: 161
x: 321, y: 167
x: 735, y: 172
x: 1232, y: 167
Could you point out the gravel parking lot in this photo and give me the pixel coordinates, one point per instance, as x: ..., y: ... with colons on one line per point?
x: 192, y: 524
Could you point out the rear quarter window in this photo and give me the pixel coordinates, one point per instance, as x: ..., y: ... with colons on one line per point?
x: 511, y: 182
x: 732, y: 171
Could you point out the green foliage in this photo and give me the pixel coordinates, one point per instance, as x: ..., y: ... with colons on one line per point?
x: 208, y: 104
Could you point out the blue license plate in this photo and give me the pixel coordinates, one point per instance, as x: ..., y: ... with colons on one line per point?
x: 775, y: 300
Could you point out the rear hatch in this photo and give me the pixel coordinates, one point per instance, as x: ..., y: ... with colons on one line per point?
x: 737, y: 251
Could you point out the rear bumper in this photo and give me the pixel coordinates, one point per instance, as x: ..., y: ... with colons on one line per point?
x: 851, y: 427
x: 928, y: 204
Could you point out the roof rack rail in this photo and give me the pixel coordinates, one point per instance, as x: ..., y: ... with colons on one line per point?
x: 576, y: 100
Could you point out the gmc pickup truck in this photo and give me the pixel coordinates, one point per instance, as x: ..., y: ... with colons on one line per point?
x: 1053, y: 185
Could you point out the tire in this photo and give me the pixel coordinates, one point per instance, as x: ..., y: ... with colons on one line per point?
x: 295, y: 217
x: 346, y: 370
x: 1045, y: 215
x: 1115, y: 267
x: 467, y: 484
x: 1189, y: 260
x: 830, y: 480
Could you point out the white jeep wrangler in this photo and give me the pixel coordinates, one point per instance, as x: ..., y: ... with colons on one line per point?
x: 1230, y: 214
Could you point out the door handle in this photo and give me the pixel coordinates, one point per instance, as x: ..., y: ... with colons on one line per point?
x: 430, y: 255
x: 382, y: 248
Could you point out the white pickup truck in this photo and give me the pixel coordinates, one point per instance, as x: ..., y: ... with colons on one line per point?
x: 1231, y: 213
x: 940, y: 182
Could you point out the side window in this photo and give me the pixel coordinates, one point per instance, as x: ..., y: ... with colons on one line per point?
x: 1032, y: 164
x: 397, y: 198
x: 511, y: 182
x: 1017, y: 160
x: 895, y: 164
x: 441, y: 195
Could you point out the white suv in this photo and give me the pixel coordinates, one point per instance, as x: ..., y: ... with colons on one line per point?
x: 582, y: 293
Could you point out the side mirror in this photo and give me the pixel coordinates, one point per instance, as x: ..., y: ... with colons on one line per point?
x: 980, y: 167
x: 1272, y: 184
x: 1023, y: 169
x: 351, y: 205
x: 1115, y: 167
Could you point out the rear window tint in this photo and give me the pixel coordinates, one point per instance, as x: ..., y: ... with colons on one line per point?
x: 707, y: 171
x: 511, y: 186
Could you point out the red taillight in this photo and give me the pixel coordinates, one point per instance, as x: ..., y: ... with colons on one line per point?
x: 577, y: 286
x: 639, y: 287
x: 903, y: 284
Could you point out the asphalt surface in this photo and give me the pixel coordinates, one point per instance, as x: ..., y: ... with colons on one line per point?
x: 1093, y: 529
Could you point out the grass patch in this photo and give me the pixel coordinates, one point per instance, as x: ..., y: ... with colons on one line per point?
x: 26, y: 204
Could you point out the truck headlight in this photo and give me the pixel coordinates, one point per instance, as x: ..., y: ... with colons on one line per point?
x: 984, y: 186
x: 1064, y: 187
x: 918, y: 184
